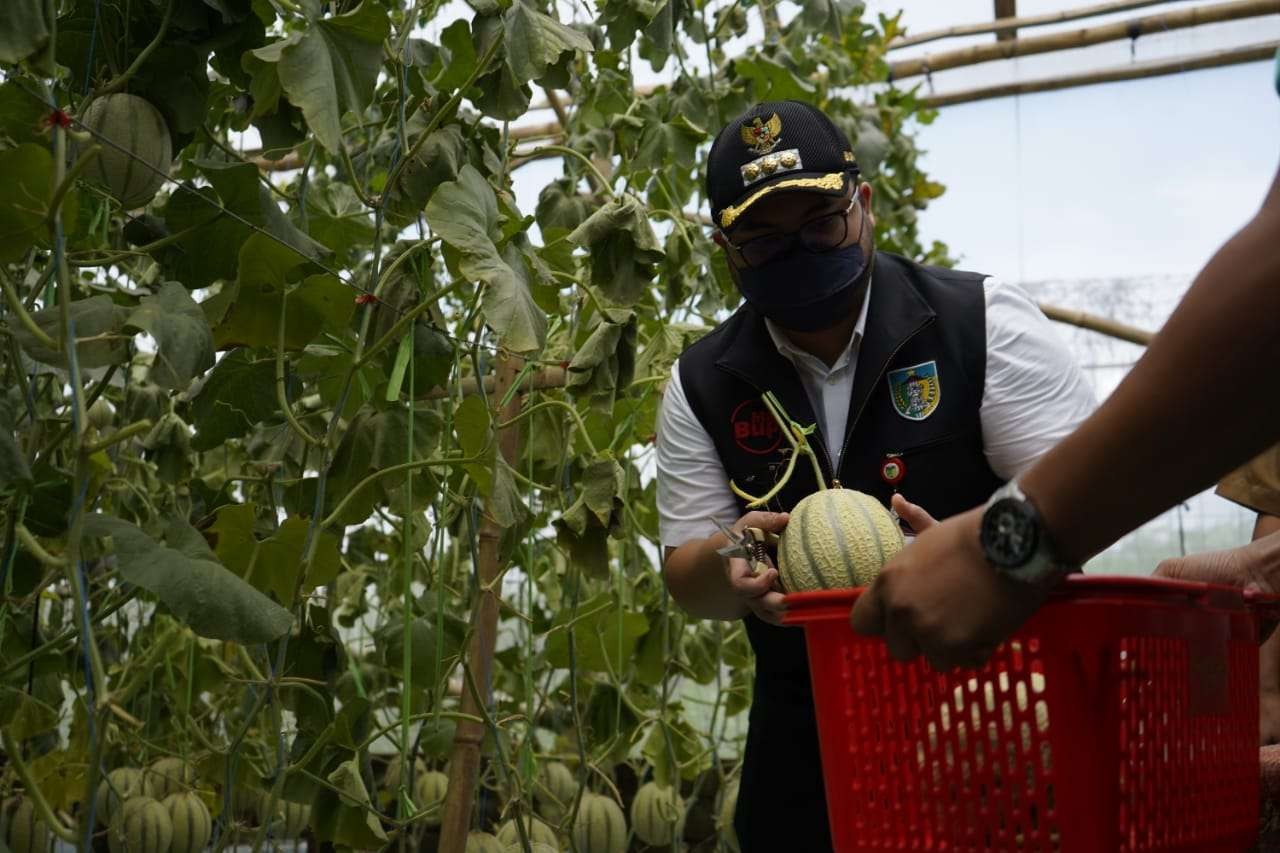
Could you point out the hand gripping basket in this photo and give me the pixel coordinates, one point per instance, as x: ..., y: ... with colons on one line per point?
x: 1123, y: 716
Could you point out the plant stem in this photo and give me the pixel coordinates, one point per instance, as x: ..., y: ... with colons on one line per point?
x: 37, y: 550
x: 69, y: 180
x: 582, y: 427
x: 282, y: 398
x: 117, y: 83
x: 33, y: 790
x: 19, y: 311
x: 122, y: 434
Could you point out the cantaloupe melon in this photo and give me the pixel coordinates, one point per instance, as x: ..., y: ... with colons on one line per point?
x: 120, y: 784
x: 21, y: 829
x: 142, y: 825
x: 135, y: 167
x: 836, y: 539
x: 288, y: 818
x: 429, y: 793
x: 483, y: 842
x: 537, y: 831
x: 600, y: 826
x: 555, y: 791
x: 657, y: 814
x: 192, y: 826
x: 167, y: 776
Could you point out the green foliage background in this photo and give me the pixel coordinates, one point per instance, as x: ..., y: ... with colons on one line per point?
x: 248, y: 500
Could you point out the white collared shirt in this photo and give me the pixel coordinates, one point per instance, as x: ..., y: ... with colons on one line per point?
x: 1035, y: 394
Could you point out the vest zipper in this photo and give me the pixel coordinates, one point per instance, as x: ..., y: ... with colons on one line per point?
x: 848, y: 432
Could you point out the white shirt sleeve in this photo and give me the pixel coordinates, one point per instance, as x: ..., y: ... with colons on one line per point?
x: 1035, y: 393
x: 692, y: 484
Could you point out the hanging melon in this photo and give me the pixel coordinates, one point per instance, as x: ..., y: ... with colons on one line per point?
x: 429, y: 793
x: 120, y: 784
x: 136, y: 156
x: 600, y: 826
x: 483, y: 842
x: 533, y: 827
x: 288, y: 819
x: 21, y: 829
x: 141, y: 825
x: 555, y: 791
x: 657, y: 814
x: 836, y: 539
x: 192, y: 826
x: 167, y: 776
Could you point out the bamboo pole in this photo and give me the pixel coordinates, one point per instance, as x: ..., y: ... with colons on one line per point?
x: 1101, y: 325
x: 1005, y: 25
x: 1197, y: 62
x: 1131, y: 29
x: 464, y: 762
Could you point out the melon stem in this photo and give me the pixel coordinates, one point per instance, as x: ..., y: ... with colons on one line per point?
x: 797, y: 436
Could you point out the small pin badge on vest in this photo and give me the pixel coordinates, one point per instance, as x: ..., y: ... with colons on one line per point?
x: 892, y: 469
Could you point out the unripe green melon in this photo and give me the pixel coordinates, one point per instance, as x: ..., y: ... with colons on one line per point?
x: 168, y: 776
x: 135, y: 167
x: 657, y: 813
x: 192, y: 826
x: 483, y: 842
x: 836, y: 539
x: 534, y: 828
x: 429, y: 793
x: 141, y: 825
x: 724, y: 818
x: 120, y: 784
x: 21, y: 829
x: 555, y: 791
x: 600, y: 826
x: 296, y: 818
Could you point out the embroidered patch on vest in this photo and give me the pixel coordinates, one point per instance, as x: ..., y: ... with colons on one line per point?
x: 754, y: 429
x: 915, y: 390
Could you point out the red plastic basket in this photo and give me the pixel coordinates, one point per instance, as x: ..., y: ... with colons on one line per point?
x: 1122, y: 716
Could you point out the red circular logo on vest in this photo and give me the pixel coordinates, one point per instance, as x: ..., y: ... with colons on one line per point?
x: 754, y: 429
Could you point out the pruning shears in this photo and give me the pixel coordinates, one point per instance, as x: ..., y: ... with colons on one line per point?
x: 751, y: 544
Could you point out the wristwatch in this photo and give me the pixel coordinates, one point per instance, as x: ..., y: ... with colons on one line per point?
x: 1015, y: 541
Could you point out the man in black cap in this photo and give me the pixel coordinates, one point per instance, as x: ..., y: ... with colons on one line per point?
x: 923, y: 383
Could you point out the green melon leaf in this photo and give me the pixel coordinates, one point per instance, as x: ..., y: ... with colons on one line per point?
x: 24, y: 29
x: 599, y: 647
x: 188, y: 579
x: 26, y: 172
x: 272, y: 564
x: 457, y: 58
x: 238, y: 393
x: 183, y: 337
x: 535, y: 41
x: 331, y: 67
x: 99, y: 327
x: 24, y: 716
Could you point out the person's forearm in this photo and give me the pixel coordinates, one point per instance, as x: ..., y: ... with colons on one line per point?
x: 695, y: 575
x: 1195, y: 406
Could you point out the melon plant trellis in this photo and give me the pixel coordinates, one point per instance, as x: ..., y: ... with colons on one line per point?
x: 334, y: 452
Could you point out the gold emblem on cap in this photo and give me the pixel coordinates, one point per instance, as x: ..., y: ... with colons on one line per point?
x: 769, y: 164
x: 762, y: 136
x: 848, y: 156
x: 788, y: 160
x: 751, y: 171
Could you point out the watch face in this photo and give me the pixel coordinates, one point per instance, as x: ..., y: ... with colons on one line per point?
x: 1009, y: 533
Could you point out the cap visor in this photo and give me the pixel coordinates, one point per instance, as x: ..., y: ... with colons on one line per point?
x: 822, y: 183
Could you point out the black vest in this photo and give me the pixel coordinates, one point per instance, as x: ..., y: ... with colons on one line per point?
x: 927, y: 318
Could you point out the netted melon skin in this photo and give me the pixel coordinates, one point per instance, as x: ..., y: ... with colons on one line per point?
x: 836, y: 539
x: 600, y: 826
x: 135, y: 164
x: 657, y: 814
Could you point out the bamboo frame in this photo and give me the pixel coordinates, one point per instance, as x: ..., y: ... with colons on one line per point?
x: 1120, y: 30
x: 464, y: 761
x: 1101, y: 325
x: 1198, y: 62
x: 1005, y: 25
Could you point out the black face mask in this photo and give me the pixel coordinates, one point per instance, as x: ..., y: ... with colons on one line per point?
x: 806, y: 291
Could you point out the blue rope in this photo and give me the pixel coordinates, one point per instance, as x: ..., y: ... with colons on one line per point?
x: 93, y: 40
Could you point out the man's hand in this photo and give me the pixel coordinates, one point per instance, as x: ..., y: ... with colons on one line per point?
x: 941, y: 598
x: 1251, y: 566
x: 759, y: 591
x: 913, y: 514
